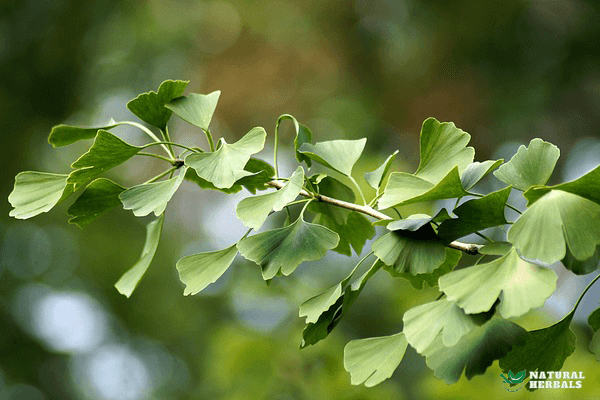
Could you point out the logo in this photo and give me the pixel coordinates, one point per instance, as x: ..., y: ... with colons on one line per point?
x: 514, y: 380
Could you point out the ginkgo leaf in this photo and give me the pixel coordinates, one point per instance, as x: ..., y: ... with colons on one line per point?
x: 417, y: 281
x: 373, y: 360
x: 586, y: 186
x: 582, y: 267
x: 519, y: 285
x: 130, y: 279
x: 423, y: 323
x: 419, y: 252
x: 475, y: 215
x: 150, y: 107
x: 107, y: 152
x: 151, y: 197
x: 99, y: 196
x: 476, y: 171
x: 443, y: 147
x: 475, y: 351
x: 197, y: 109
x: 544, y: 350
x: 303, y: 135
x: 327, y: 311
x: 532, y: 165
x: 331, y: 187
x: 353, y: 233
x: 37, y: 192
x: 594, y: 322
x: 62, y: 135
x: 403, y: 189
x: 200, y: 270
x: 254, y: 210
x: 261, y: 173
x: 554, y: 222
x: 283, y: 249
x: 339, y: 155
x: 496, y: 248
x: 225, y: 166
x: 375, y: 178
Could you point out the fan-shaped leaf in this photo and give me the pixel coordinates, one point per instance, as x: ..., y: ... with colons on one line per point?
x: 375, y: 178
x: 532, y: 165
x: 225, y: 166
x: 197, y: 109
x: 476, y: 171
x: 130, y: 279
x: 523, y: 285
x: 100, y: 196
x: 151, y: 197
x: 557, y: 220
x: 150, y: 106
x: 586, y: 186
x: 594, y: 322
x: 62, y: 135
x: 417, y: 281
x: 37, y: 192
x: 373, y: 360
x: 200, y: 270
x: 339, y: 155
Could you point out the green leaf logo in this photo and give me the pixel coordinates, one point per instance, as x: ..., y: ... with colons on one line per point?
x: 514, y: 379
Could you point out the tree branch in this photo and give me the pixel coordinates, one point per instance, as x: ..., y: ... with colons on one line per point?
x: 469, y: 248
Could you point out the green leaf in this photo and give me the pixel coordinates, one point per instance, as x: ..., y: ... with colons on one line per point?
x: 282, y: 250
x: 373, y: 360
x: 586, y: 186
x: 594, y: 322
x: 403, y: 189
x: 582, y: 267
x: 329, y: 310
x: 339, y: 155
x: 253, y: 211
x: 557, y: 220
x: 150, y: 107
x: 375, y: 178
x: 353, y: 234
x: 475, y: 215
x: 197, y: 109
x: 476, y: 171
x: 100, y: 196
x: 331, y: 187
x: 412, y: 223
x: 303, y: 135
x: 423, y: 323
x: 544, y: 350
x: 37, y: 192
x: 419, y: 252
x: 151, y: 197
x: 107, y: 152
x: 523, y: 285
x: 130, y: 279
x: 475, y: 351
x: 417, y: 281
x: 62, y: 135
x: 532, y: 165
x: 496, y: 248
x: 200, y: 270
x: 225, y: 166
x: 443, y: 147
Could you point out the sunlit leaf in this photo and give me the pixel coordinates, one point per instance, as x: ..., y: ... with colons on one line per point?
x: 375, y: 178
x: 130, y: 279
x: 586, y: 186
x: 532, y: 165
x: 200, y: 270
x: 282, y: 250
x: 403, y: 189
x: 253, y: 211
x: 260, y: 174
x: 373, y: 360
x: 476, y: 215
x: 339, y: 155
x: 556, y: 221
x: 37, y: 192
x: 475, y: 351
x: 62, y: 135
x: 423, y: 323
x: 544, y: 350
x: 151, y: 197
x: 417, y: 281
x: 523, y: 286
x: 100, y: 196
x: 225, y: 166
x: 443, y: 147
x: 150, y: 106
x: 197, y: 109
x: 476, y: 171
x: 107, y: 152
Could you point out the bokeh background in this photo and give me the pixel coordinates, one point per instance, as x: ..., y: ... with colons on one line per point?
x: 504, y: 71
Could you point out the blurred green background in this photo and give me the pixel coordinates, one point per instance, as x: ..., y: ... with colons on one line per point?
x: 504, y: 71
